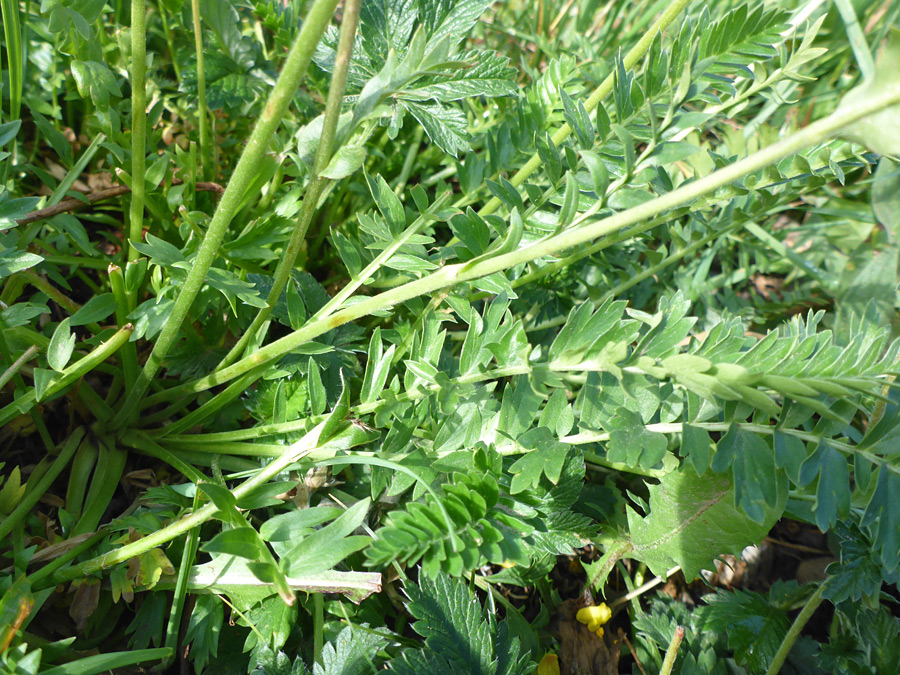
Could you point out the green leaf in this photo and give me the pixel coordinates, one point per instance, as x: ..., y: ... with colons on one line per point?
x: 833, y: 490
x: 857, y: 577
x: 294, y: 524
x: 631, y: 443
x: 446, y: 126
x: 388, y: 203
x: 96, y: 309
x: 481, y: 73
x: 879, y: 131
x: 223, y: 19
x: 204, y: 628
x: 886, y: 196
x: 61, y: 347
x: 692, y: 520
x: 12, y: 261
x: 578, y: 119
x: 882, y: 517
x: 325, y: 548
x: 317, y: 398
x: 378, y: 367
x: 352, y: 653
x: 347, y: 160
x: 452, y: 622
x: 758, y: 485
x: 546, y: 456
x: 754, y: 627
x: 240, y: 541
x: 450, y: 20
x: 159, y: 251
x: 95, y: 81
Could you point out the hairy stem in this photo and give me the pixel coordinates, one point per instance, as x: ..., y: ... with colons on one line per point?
x: 138, y: 124
x: 291, y: 75
x: 794, y: 632
x: 452, y: 275
x: 256, y: 330
x: 202, y: 112
x: 188, y: 522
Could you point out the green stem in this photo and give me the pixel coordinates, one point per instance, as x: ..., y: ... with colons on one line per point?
x: 677, y: 427
x: 318, y: 626
x: 138, y: 122
x: 33, y: 496
x: 81, y: 367
x: 452, y: 275
x: 672, y: 651
x: 279, y: 100
x: 129, y: 353
x: 794, y: 632
x: 16, y: 366
x: 119, y: 555
x: 12, y: 30
x: 332, y: 115
x: 181, y: 583
x: 857, y: 39
x: 202, y: 113
x: 68, y: 556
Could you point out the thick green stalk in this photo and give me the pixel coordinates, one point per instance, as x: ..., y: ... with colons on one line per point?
x: 129, y: 353
x: 672, y: 651
x: 15, y: 52
x: 256, y: 330
x: 119, y: 555
x: 635, y: 54
x: 291, y: 75
x: 138, y: 123
x: 796, y: 628
x: 202, y: 113
x: 452, y: 275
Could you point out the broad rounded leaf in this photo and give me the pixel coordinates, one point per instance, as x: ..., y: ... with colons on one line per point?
x: 693, y: 520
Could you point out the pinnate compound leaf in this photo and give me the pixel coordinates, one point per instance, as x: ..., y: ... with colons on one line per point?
x: 458, y: 636
x: 692, y: 520
x: 352, y: 653
x: 631, y: 443
x: 857, y: 577
x: 546, y: 456
x: 754, y: 627
x: 758, y: 485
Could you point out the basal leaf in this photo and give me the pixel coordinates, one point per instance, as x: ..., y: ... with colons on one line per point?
x: 692, y: 520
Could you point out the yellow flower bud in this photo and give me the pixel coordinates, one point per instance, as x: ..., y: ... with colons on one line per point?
x: 594, y: 617
x: 549, y: 665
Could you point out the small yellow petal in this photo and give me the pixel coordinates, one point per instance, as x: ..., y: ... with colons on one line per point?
x: 599, y: 632
x: 549, y: 665
x: 596, y: 615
